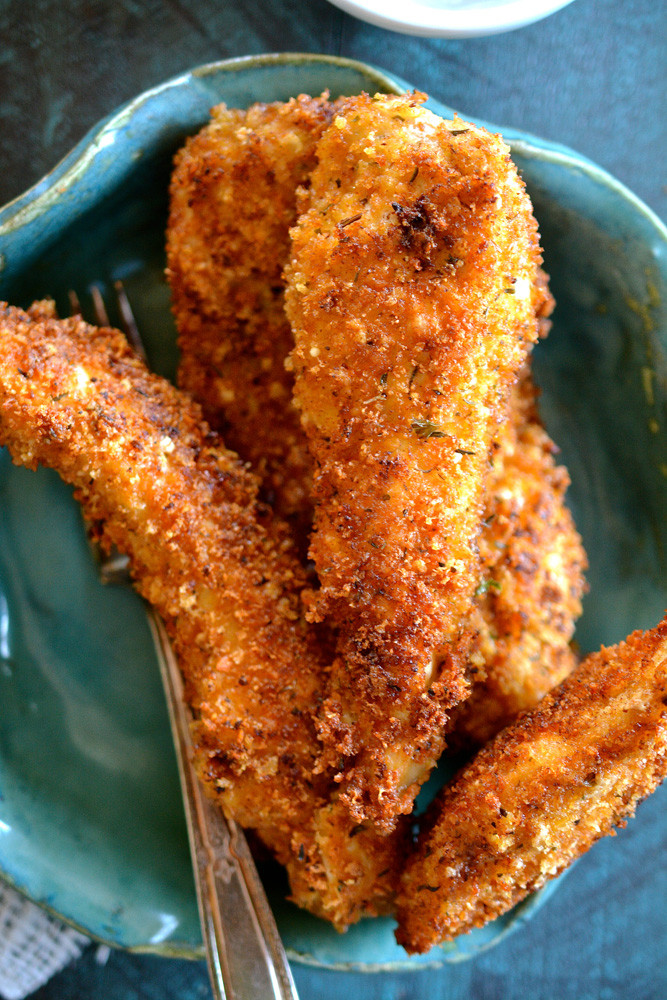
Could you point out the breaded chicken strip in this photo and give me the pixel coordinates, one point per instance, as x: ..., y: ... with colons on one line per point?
x: 233, y: 200
x: 358, y: 869
x: 217, y: 255
x: 533, y: 563
x: 541, y: 793
x: 221, y: 572
x: 412, y: 293
x: 203, y: 551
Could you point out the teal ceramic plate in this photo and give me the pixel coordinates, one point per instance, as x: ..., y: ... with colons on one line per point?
x: 90, y: 816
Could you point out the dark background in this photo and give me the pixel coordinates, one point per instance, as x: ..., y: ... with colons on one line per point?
x: 591, y: 76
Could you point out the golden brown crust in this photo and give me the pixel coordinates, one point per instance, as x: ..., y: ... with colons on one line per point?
x: 541, y: 793
x: 224, y: 262
x: 412, y: 292
x: 233, y: 200
x: 162, y: 488
x: 532, y: 579
x: 357, y: 871
x: 222, y: 573
x: 255, y: 752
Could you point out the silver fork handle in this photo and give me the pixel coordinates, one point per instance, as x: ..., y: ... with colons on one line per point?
x: 246, y: 957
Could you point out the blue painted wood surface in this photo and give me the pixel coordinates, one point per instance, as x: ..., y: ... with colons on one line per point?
x: 591, y: 76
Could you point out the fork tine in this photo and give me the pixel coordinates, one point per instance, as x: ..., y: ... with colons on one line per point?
x: 130, y: 327
x: 128, y: 322
x: 100, y: 309
x: 74, y: 304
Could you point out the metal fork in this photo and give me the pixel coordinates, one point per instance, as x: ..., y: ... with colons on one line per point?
x: 246, y: 958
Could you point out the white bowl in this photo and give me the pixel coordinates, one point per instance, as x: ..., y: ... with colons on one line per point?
x: 450, y: 18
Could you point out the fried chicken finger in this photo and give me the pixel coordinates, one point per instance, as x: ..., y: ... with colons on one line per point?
x: 532, y: 581
x: 233, y: 198
x: 541, y: 793
x: 203, y: 551
x: 223, y: 575
x: 412, y: 293
x: 232, y: 202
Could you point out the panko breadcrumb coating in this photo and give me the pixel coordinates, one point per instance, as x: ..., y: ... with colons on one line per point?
x: 222, y: 573
x: 532, y: 581
x: 232, y: 202
x: 210, y: 556
x: 412, y: 292
x: 255, y: 158
x: 541, y: 793
x: 203, y: 551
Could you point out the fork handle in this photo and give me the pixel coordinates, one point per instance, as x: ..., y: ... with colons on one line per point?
x: 246, y: 957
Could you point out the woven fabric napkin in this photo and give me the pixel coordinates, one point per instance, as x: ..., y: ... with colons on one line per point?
x: 33, y: 945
